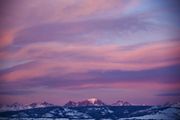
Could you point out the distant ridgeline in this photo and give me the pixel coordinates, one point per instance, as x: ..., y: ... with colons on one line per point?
x: 89, y: 109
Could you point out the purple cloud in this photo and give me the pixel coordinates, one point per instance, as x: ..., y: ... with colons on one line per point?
x: 165, y: 75
x: 74, y: 32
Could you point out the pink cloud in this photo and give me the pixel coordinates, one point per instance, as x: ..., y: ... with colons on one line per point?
x: 6, y: 38
x: 107, y: 57
x: 130, y: 86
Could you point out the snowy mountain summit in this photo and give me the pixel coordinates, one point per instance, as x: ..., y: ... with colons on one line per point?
x: 91, y: 102
x: 38, y: 105
x: 71, y: 104
x: 172, y: 104
x: 121, y: 103
x: 17, y: 106
x: 88, y: 102
x: 12, y: 107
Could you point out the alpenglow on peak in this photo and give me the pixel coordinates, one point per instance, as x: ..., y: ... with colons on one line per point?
x: 92, y: 100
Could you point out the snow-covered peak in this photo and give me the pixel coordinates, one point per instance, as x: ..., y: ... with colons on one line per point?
x: 17, y: 106
x: 176, y: 105
x: 12, y: 107
x: 37, y: 105
x: 121, y: 103
x: 71, y: 104
x: 172, y: 104
x: 92, y: 100
x: 88, y: 102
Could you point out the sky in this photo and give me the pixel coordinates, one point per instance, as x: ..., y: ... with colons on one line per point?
x: 61, y: 50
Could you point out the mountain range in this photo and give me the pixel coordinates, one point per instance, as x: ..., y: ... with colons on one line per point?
x: 17, y: 106
x: 88, y: 102
x: 90, y: 109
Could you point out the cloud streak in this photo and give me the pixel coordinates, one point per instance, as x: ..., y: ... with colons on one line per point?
x: 49, y: 57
